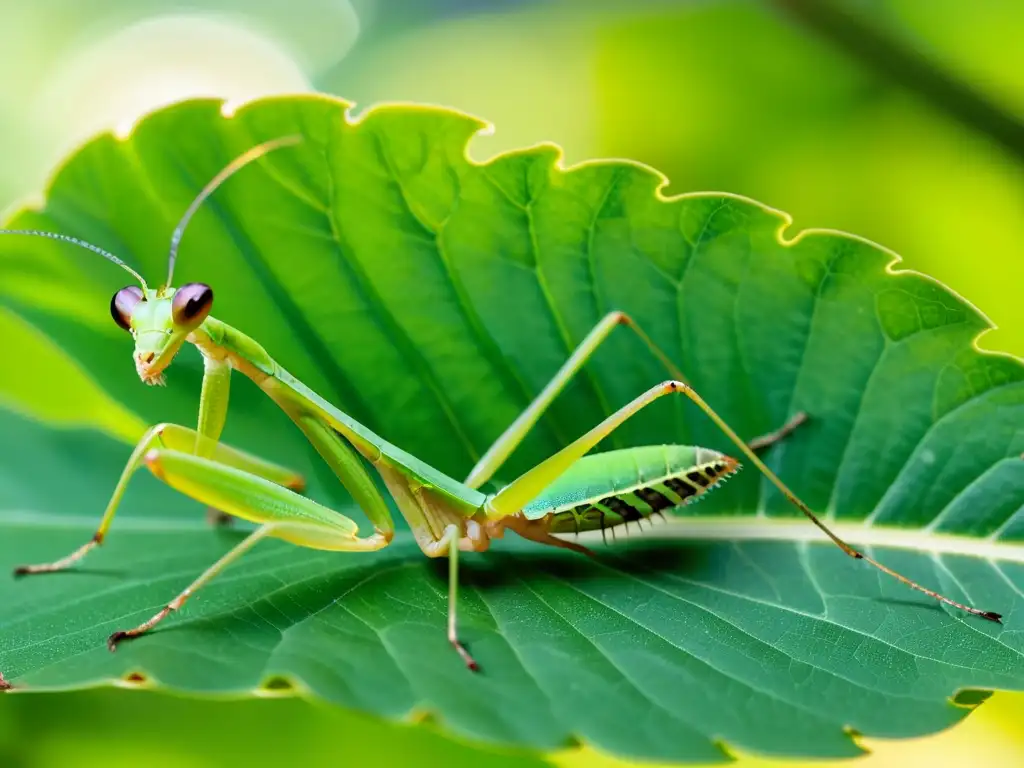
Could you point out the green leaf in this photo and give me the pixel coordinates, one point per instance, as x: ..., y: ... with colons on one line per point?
x: 432, y: 298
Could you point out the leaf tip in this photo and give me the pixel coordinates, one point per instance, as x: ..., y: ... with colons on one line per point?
x: 573, y: 741
x: 728, y: 752
x: 969, y: 698
x: 134, y: 679
x: 279, y: 686
x: 855, y: 736
x: 423, y: 716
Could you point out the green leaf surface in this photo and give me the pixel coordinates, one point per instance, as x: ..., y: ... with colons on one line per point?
x: 432, y: 297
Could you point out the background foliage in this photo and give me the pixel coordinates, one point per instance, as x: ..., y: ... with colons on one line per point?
x: 729, y: 95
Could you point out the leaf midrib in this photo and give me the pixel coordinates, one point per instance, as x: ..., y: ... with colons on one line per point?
x: 682, y: 529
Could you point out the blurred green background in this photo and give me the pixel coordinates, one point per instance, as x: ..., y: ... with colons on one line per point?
x: 898, y: 120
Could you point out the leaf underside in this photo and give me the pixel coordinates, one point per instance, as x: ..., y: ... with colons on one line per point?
x: 432, y: 297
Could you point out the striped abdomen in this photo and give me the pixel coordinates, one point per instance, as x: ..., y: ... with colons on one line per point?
x: 607, y: 489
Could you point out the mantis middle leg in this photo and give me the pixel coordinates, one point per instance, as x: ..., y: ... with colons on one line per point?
x: 503, y: 447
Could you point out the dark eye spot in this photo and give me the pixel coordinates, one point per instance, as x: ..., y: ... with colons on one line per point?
x: 191, y: 304
x: 123, y: 304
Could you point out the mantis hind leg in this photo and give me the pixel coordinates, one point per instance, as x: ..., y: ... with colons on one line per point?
x: 510, y: 439
x: 510, y: 500
x: 177, y: 438
x: 283, y: 514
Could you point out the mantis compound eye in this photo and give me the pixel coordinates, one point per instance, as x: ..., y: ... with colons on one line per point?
x: 123, y: 304
x: 191, y: 304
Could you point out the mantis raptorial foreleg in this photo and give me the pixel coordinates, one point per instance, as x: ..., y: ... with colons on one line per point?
x: 254, y: 498
x: 510, y: 439
x: 213, y: 411
x: 177, y: 438
x: 213, y: 404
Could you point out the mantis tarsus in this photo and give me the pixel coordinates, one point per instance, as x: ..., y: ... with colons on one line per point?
x: 569, y: 491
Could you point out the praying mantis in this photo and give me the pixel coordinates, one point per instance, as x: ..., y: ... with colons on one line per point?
x: 571, y: 491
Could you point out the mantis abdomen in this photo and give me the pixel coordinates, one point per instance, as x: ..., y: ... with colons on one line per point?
x: 604, y: 490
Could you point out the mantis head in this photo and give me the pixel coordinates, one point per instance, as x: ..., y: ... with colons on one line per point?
x: 161, y: 320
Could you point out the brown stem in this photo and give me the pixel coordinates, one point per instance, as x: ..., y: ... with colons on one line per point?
x: 877, y: 49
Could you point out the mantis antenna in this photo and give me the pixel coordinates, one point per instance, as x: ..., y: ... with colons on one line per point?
x: 80, y: 244
x: 235, y: 165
